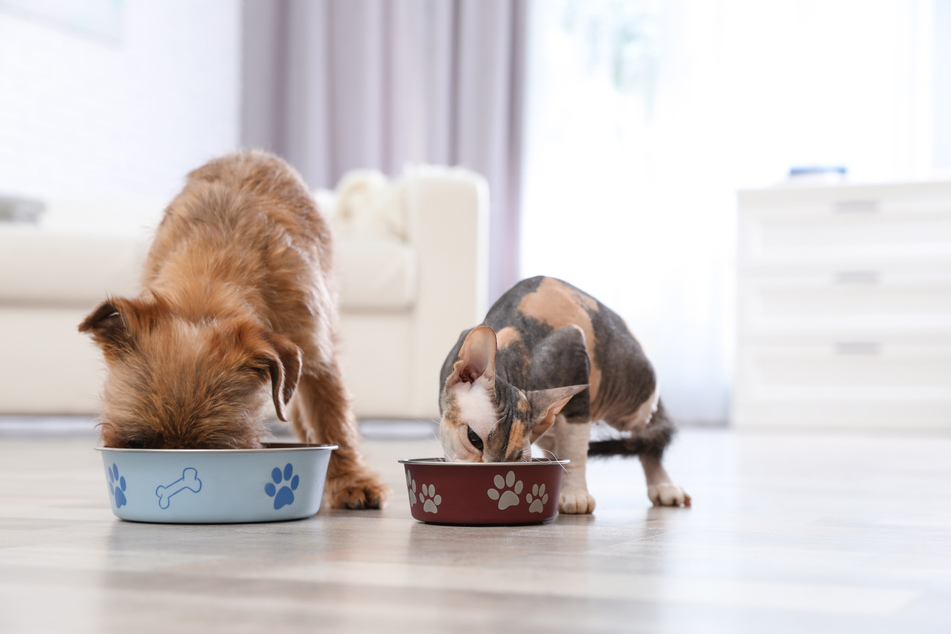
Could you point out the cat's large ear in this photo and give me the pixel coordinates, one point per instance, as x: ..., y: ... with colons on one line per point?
x: 476, y: 358
x: 546, y: 404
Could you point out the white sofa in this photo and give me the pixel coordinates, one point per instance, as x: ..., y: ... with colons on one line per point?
x: 411, y: 263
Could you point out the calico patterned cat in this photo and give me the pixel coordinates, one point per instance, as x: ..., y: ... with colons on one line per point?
x: 549, y: 355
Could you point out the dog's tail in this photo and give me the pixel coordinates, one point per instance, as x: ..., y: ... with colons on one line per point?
x: 651, y: 441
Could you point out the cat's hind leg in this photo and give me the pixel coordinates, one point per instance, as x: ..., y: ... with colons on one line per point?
x: 660, y: 488
x: 653, y: 441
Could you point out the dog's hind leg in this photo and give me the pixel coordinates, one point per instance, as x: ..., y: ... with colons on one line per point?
x: 321, y: 413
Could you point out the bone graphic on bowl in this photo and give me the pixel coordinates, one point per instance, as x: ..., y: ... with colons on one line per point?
x: 189, y: 480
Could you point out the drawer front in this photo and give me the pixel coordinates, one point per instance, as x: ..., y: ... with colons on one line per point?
x: 847, y: 301
x: 842, y: 413
x: 767, y: 237
x: 844, y: 222
x: 849, y: 383
x: 850, y: 364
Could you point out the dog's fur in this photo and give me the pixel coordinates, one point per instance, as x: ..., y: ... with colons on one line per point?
x: 237, y: 308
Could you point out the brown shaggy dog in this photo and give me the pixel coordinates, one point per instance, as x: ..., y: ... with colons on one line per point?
x: 237, y: 309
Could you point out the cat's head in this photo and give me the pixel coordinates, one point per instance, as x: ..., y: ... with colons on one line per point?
x: 485, y: 419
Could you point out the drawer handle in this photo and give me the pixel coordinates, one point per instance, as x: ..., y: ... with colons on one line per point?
x: 858, y: 347
x: 856, y: 206
x: 858, y: 277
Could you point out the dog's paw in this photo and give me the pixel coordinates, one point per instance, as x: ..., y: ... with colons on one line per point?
x: 668, y: 495
x: 575, y: 502
x: 364, y: 491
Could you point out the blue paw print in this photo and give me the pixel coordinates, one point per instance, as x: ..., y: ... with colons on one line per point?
x: 117, y: 486
x: 285, y: 495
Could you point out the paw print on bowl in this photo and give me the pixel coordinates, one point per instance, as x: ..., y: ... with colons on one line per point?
x: 506, y: 490
x: 537, y: 499
x: 429, y: 499
x: 117, y: 486
x: 411, y: 487
x: 285, y: 495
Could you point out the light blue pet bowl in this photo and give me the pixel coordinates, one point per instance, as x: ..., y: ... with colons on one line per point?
x: 282, y: 481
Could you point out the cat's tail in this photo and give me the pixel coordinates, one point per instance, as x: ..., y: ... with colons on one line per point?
x: 651, y: 441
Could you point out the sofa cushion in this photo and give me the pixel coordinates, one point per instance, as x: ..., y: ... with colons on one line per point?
x: 375, y: 274
x: 44, y: 267
x: 60, y: 268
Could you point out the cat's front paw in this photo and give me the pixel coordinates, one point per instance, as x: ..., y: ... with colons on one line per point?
x: 575, y: 502
x: 668, y: 495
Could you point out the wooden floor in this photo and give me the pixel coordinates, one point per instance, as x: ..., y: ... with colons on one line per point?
x: 788, y: 533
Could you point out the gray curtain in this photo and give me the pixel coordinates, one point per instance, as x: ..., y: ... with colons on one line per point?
x: 334, y: 85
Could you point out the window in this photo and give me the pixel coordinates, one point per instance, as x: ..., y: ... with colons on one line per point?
x: 644, y: 118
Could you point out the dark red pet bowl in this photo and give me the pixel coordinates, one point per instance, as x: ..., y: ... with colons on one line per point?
x: 480, y: 493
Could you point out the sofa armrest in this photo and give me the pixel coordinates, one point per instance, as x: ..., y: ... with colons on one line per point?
x: 448, y: 227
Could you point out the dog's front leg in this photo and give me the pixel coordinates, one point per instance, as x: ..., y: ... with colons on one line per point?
x: 321, y: 413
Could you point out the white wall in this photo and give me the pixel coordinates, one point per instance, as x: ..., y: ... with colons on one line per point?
x: 85, y: 118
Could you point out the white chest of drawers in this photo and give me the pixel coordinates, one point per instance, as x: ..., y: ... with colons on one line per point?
x: 844, y: 307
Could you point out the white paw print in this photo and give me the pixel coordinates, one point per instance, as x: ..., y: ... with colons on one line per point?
x: 505, y: 492
x: 411, y: 487
x: 537, y: 499
x: 429, y: 499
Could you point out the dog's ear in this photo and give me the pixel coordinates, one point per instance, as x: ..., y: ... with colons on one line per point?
x: 108, y: 327
x: 283, y: 360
